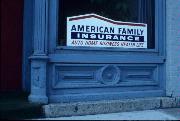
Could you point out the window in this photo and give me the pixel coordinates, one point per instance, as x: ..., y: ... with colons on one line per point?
x: 139, y: 11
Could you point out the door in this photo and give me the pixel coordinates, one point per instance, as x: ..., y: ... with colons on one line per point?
x: 11, y: 45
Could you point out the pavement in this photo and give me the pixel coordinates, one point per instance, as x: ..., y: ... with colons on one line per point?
x: 160, y: 114
x: 15, y: 105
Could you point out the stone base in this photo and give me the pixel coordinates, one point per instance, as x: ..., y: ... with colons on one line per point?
x: 38, y: 99
x: 110, y: 106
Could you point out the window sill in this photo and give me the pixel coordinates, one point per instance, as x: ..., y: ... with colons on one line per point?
x: 108, y: 49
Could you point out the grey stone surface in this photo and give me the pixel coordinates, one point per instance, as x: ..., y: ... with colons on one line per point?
x: 172, y: 48
x: 162, y: 114
x: 114, y: 106
x: 168, y: 103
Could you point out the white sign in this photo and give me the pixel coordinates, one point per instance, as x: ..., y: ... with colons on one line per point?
x: 92, y: 30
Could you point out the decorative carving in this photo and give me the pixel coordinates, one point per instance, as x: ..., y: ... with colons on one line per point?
x: 78, y: 76
x: 109, y: 75
x: 73, y: 79
x: 35, y: 76
x: 37, y: 79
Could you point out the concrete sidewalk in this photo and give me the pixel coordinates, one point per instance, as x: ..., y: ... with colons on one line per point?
x: 161, y: 114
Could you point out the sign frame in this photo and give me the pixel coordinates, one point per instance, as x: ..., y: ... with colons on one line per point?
x: 92, y: 30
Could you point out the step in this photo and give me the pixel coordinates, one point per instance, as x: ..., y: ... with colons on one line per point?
x: 109, y: 106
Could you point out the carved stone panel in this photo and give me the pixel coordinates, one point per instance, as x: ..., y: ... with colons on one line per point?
x: 38, y: 77
x: 72, y: 76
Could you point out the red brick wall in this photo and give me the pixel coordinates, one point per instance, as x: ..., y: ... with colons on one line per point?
x: 11, y: 45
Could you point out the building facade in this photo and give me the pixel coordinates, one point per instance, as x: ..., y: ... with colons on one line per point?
x: 60, y: 73
x: 54, y: 72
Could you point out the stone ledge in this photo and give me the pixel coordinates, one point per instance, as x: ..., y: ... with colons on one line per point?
x: 110, y: 106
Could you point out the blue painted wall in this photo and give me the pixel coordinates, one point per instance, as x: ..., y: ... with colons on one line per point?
x: 65, y: 74
x: 27, y: 43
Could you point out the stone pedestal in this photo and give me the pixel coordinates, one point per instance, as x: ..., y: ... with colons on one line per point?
x: 38, y: 79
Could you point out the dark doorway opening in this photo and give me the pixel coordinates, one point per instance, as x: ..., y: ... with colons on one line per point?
x: 11, y: 45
